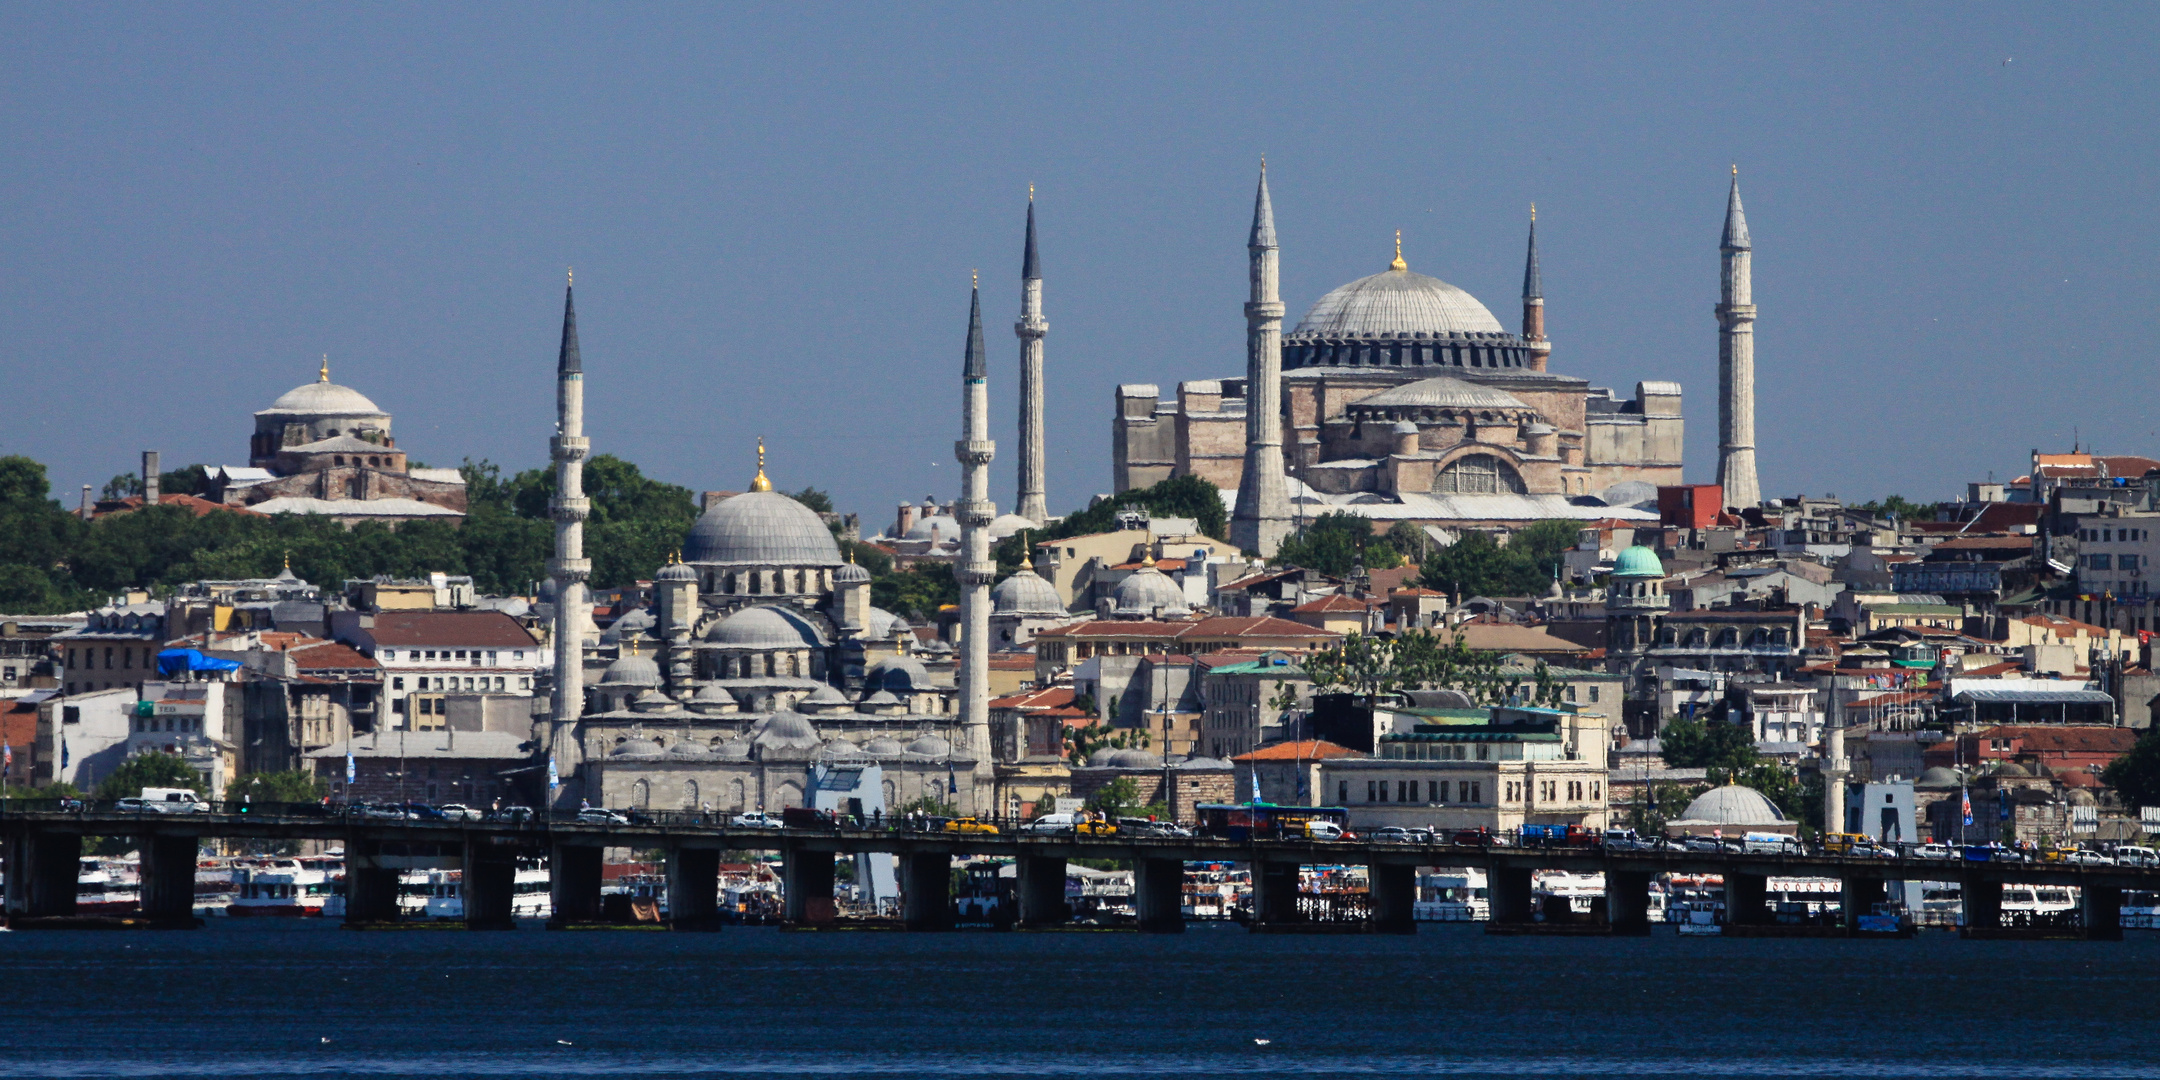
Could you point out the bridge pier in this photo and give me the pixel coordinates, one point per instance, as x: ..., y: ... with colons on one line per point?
x: 2100, y: 909
x: 926, y: 891
x: 1275, y: 895
x: 1747, y: 899
x: 1859, y: 897
x: 1982, y: 900
x: 806, y: 883
x: 168, y: 879
x: 1508, y: 892
x: 490, y: 884
x: 1627, y: 901
x: 574, y: 884
x: 1392, y: 892
x: 42, y: 871
x: 693, y: 888
x: 1041, y: 888
x: 371, y: 889
x: 1159, y: 895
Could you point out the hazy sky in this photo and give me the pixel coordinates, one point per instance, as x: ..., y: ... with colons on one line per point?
x: 773, y: 212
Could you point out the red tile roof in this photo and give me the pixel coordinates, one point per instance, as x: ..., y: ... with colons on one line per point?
x: 1303, y: 750
x: 1222, y: 626
x: 486, y: 629
x: 197, y: 506
x: 1336, y: 602
x: 2056, y: 739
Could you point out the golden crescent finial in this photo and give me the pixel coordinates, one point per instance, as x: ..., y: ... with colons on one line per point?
x: 324, y: 374
x: 975, y: 279
x: 1533, y: 211
x: 759, y: 482
x: 1031, y: 191
x: 1736, y: 170
x: 1027, y: 561
x: 1398, y: 264
x: 570, y: 275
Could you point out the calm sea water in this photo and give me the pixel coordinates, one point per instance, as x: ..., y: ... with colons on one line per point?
x: 280, y: 999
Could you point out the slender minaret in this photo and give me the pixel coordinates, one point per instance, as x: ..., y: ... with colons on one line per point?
x: 1030, y: 330
x: 1736, y: 360
x: 975, y: 511
x: 569, y: 568
x: 1263, y: 501
x: 1533, y: 303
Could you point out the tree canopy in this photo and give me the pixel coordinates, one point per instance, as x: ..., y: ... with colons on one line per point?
x: 153, y: 769
x: 1338, y: 542
x: 1370, y: 666
x: 1478, y: 565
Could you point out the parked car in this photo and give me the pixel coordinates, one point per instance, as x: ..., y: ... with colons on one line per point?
x: 423, y: 812
x: 1934, y: 851
x: 377, y: 811
x: 1095, y: 827
x: 510, y: 813
x: 1051, y: 823
x: 458, y: 812
x: 1706, y: 844
x: 596, y: 815
x: 2131, y: 855
x: 969, y: 825
x: 2087, y: 858
x: 1396, y: 834
x: 171, y: 801
x: 1325, y: 830
x: 755, y: 819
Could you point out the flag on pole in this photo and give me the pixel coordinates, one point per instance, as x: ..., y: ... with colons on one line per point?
x: 1256, y: 785
x: 1965, y: 804
x: 7, y: 759
x: 63, y: 752
x: 554, y: 779
x: 350, y: 771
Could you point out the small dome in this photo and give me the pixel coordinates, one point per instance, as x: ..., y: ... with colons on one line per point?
x: 1146, y: 591
x: 946, y: 527
x: 676, y: 571
x: 824, y: 695
x: 1026, y: 593
x: 632, y: 623
x: 1394, y: 302
x: 636, y: 748
x: 930, y: 746
x: 1202, y: 763
x: 765, y: 627
x: 1404, y: 427
x: 2081, y: 797
x: 883, y: 746
x: 788, y: 731
x: 324, y: 399
x: 1638, y: 561
x: 882, y: 697
x: 652, y: 701
x: 733, y: 750
x: 631, y: 671
x: 688, y: 749
x: 851, y: 574
x: 884, y: 624
x: 1441, y: 392
x: 900, y: 674
x: 761, y: 529
x: 1939, y: 777
x: 1733, y: 805
x: 1125, y: 759
x: 1005, y: 525
x: 713, y: 694
x: 2013, y: 770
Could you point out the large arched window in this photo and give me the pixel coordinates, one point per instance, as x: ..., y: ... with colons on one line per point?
x: 1479, y: 474
x: 641, y: 794
x: 690, y: 795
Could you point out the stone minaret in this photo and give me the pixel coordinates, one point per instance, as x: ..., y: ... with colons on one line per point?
x: 1030, y: 330
x: 1736, y: 360
x: 1263, y: 502
x: 976, y: 571
x: 1533, y: 302
x: 569, y: 568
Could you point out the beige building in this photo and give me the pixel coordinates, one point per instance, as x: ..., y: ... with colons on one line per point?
x: 1500, y: 772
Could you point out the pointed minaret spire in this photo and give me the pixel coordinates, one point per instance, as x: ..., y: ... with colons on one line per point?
x: 975, y: 571
x: 1533, y: 302
x: 973, y: 366
x: 1736, y: 358
x: 568, y: 360
x: 1031, y: 329
x: 569, y: 569
x: 1262, y: 517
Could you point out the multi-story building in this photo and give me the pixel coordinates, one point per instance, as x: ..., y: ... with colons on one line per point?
x: 26, y: 651
x: 1512, y: 767
x: 115, y: 648
x: 1239, y: 692
x: 425, y: 655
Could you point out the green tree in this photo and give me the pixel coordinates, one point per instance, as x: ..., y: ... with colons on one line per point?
x: 815, y: 499
x: 929, y: 805
x: 1726, y: 749
x: 1338, y: 542
x: 290, y: 786
x: 1898, y: 505
x: 1370, y: 667
x: 2136, y: 775
x: 917, y: 593
x: 1478, y: 565
x: 148, y: 770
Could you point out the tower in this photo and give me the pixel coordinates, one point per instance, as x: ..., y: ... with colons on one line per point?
x: 675, y: 588
x: 569, y: 568
x: 1030, y: 329
x: 975, y: 513
x: 1736, y: 359
x: 1263, y: 503
x: 1533, y: 302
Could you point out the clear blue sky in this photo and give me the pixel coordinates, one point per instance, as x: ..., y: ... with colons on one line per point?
x: 773, y: 212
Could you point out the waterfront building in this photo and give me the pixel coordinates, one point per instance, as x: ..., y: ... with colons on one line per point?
x: 1497, y: 769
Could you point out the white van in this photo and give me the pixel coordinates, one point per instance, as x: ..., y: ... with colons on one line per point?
x: 1052, y: 823
x: 1757, y: 843
x: 166, y: 800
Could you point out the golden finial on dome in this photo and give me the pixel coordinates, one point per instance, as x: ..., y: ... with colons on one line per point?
x: 1147, y: 558
x: 1398, y: 264
x: 570, y: 275
x: 759, y: 482
x: 324, y: 374
x: 1533, y: 211
x: 1027, y: 561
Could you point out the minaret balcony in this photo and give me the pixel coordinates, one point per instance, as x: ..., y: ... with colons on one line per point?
x: 563, y: 509
x: 567, y: 571
x: 1264, y: 309
x: 1032, y: 326
x: 569, y: 447
x: 975, y: 451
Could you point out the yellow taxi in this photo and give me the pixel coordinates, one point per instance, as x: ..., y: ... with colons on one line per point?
x: 1095, y: 828
x: 970, y: 825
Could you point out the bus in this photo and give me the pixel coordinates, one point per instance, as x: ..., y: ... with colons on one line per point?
x: 1266, y: 821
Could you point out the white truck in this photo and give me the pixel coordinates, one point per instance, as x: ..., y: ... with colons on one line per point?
x: 159, y: 800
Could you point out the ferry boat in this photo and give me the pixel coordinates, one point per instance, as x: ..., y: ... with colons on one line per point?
x: 1580, y: 892
x: 440, y: 894
x: 1452, y: 894
x: 299, y: 886
x: 107, y: 886
x: 2038, y: 905
x: 1215, y: 890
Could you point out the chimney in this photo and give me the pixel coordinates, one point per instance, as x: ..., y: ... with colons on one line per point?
x: 86, y: 502
x: 150, y: 478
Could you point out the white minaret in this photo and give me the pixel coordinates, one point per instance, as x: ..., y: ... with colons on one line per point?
x: 1030, y: 329
x: 1736, y: 360
x: 569, y: 568
x: 1263, y: 502
x: 976, y: 571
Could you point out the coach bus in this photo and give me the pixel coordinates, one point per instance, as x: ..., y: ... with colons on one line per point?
x: 1267, y: 821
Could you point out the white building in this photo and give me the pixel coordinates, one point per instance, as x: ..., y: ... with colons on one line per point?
x: 427, y: 654
x: 1514, y: 767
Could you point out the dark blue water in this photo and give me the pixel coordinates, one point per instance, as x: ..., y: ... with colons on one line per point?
x: 280, y: 999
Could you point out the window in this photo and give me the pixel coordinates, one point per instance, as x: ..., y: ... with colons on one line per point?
x: 1593, y: 695
x: 1596, y: 790
x: 2126, y: 562
x: 1342, y: 792
x: 1484, y: 752
x: 1369, y: 796
x: 1435, y: 791
x: 1405, y: 791
x: 2096, y: 562
x: 1479, y: 474
x: 520, y: 654
x: 1477, y: 791
x: 1462, y: 791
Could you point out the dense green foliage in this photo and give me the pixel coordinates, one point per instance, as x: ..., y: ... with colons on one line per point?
x: 1727, y: 751
x: 2136, y: 775
x: 1179, y: 496
x: 292, y: 786
x: 1477, y: 565
x: 153, y: 769
x: 1903, y: 508
x: 1336, y: 543
x: 51, y: 560
x: 1420, y: 660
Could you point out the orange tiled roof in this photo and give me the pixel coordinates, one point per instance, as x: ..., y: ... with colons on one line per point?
x: 1302, y: 750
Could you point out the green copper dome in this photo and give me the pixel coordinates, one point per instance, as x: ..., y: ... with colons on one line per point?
x: 1638, y: 561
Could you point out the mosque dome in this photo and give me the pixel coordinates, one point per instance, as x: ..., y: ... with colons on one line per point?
x: 1732, y: 805
x: 632, y: 621
x: 884, y: 624
x: 1125, y: 759
x: 851, y: 574
x: 1442, y: 392
x: 945, y: 525
x: 676, y: 571
x: 930, y: 746
x: 1005, y: 525
x: 733, y: 750
x: 788, y: 731
x: 1939, y: 777
x: 632, y: 671
x: 688, y: 749
x: 1638, y: 561
x: 639, y: 747
x: 765, y: 627
x: 324, y: 398
x: 901, y: 673
x: 881, y: 697
x: 1395, y: 302
x: 883, y: 746
x: 824, y: 695
x: 1147, y: 591
x: 761, y: 528
x: 1026, y: 593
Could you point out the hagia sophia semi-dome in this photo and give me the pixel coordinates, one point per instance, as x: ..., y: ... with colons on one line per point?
x: 1394, y: 302
x: 324, y: 399
x: 761, y: 528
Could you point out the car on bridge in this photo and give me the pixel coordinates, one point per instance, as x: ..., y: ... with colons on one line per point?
x: 756, y: 819
x: 2132, y: 855
x: 458, y: 812
x: 2087, y: 858
x: 1397, y: 834
x: 183, y: 802
x: 595, y: 815
x: 1933, y: 851
x: 971, y: 826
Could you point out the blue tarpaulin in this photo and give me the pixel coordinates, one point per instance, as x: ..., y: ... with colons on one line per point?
x: 175, y: 661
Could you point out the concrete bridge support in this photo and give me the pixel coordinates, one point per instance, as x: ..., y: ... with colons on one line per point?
x: 1983, y: 905
x: 168, y: 879
x: 1509, y: 894
x: 1041, y: 889
x: 574, y: 883
x: 1747, y: 899
x: 1859, y: 897
x: 490, y: 883
x: 693, y: 888
x: 1392, y: 891
x: 42, y: 869
x: 1159, y: 895
x: 926, y: 891
x: 806, y: 883
x: 1627, y: 901
x: 2100, y: 908
x: 1275, y: 894
x: 371, y: 891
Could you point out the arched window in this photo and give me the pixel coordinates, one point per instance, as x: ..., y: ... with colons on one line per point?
x: 771, y: 667
x: 1728, y: 638
x: 1759, y: 638
x: 641, y: 794
x: 729, y: 584
x: 689, y: 795
x: 1696, y: 639
x: 755, y: 583
x: 1479, y: 474
x: 794, y: 664
x: 736, y: 796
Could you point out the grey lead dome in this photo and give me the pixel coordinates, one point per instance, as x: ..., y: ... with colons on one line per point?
x: 1397, y: 301
x: 761, y: 528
